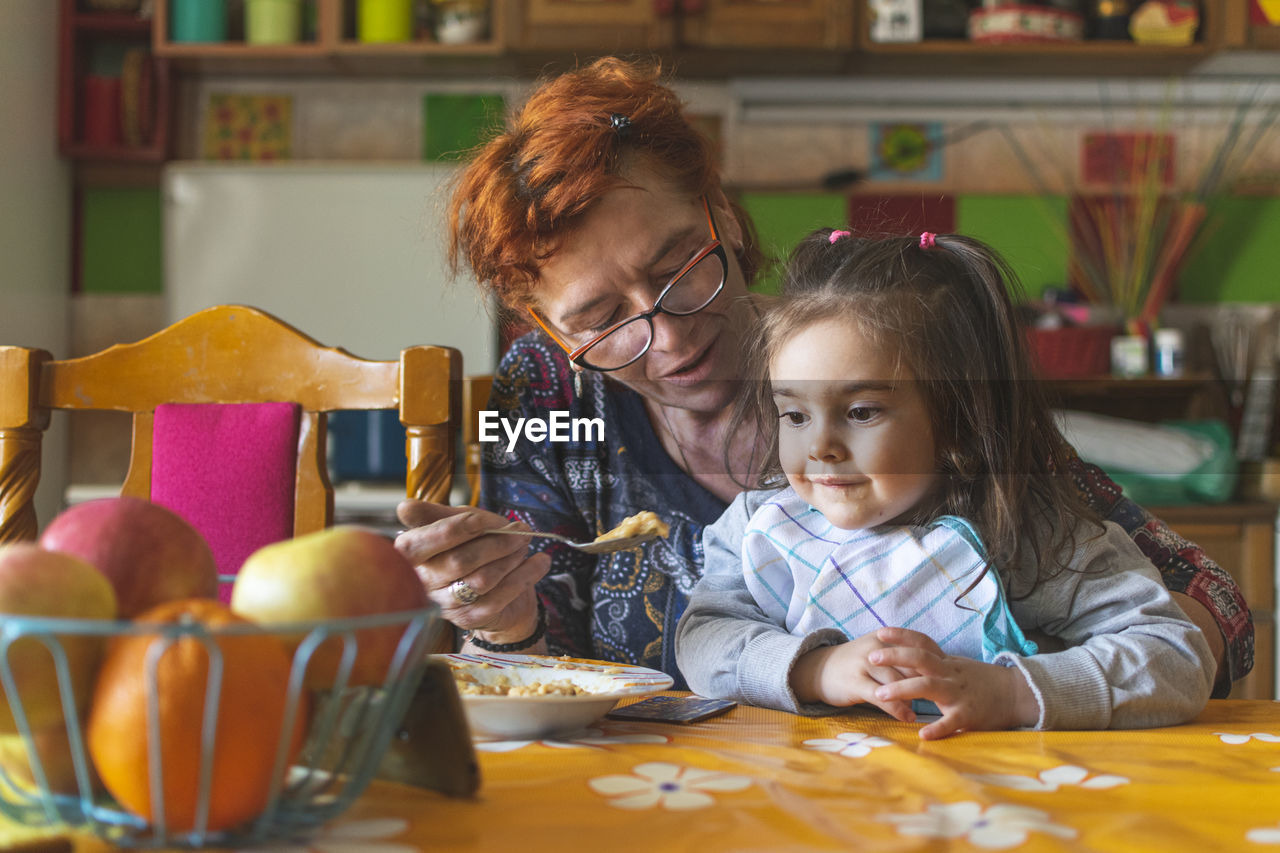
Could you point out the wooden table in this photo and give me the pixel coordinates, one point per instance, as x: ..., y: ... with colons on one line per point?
x: 759, y: 780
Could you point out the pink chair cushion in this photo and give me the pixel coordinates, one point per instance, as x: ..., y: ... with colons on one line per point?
x: 229, y: 470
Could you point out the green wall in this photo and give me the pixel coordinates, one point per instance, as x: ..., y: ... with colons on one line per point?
x: 1234, y: 259
x: 120, y: 239
x: 1027, y: 230
x: 782, y: 219
x: 1237, y: 255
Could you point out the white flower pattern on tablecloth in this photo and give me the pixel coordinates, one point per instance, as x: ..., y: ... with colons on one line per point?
x: 997, y: 828
x: 850, y: 744
x: 354, y: 836
x: 1237, y: 739
x: 1051, y: 779
x: 1265, y: 834
x: 589, y: 738
x: 658, y: 783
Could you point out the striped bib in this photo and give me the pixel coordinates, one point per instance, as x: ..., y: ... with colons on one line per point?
x: 807, y: 574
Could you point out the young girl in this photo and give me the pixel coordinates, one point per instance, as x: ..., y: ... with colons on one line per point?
x: 923, y: 525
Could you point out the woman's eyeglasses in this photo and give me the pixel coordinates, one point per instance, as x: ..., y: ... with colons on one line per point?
x: 693, y: 288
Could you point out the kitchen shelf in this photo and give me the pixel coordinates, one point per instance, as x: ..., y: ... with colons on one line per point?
x: 1196, y: 395
x: 80, y: 34
x: 122, y: 23
x: 333, y: 50
x: 1087, y: 56
x: 1083, y: 50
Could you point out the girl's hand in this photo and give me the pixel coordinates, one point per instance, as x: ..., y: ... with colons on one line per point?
x: 972, y: 695
x: 844, y: 675
x: 447, y: 544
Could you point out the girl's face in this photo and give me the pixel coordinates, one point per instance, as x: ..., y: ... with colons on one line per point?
x: 616, y: 262
x: 854, y: 439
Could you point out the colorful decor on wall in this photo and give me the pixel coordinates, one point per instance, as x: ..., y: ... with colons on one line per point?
x: 248, y: 127
x: 906, y: 151
x: 1125, y: 159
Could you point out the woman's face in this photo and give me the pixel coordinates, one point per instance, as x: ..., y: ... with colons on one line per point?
x: 616, y: 262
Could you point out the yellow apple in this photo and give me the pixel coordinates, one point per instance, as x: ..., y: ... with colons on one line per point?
x: 54, y: 749
x: 36, y: 582
x: 338, y: 573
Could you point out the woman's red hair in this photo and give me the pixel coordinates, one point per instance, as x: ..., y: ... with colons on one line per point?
x: 529, y: 186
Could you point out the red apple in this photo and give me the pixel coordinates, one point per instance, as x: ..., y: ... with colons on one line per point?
x: 149, y: 553
x: 36, y: 582
x: 338, y: 573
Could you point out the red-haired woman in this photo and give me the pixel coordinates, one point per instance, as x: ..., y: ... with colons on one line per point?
x: 600, y: 218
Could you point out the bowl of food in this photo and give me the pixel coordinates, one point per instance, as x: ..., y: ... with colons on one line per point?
x: 524, y: 697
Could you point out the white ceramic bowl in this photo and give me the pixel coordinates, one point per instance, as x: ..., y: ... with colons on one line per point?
x: 532, y: 717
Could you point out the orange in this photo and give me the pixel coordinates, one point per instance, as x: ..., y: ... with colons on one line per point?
x: 251, y: 708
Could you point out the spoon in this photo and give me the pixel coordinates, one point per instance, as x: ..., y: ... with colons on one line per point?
x: 603, y: 546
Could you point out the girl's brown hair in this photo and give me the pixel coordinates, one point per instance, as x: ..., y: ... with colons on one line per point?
x: 948, y: 311
x: 564, y: 149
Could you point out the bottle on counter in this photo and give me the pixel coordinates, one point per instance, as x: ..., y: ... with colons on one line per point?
x: 1169, y: 352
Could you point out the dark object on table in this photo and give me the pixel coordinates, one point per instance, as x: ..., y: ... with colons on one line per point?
x: 432, y: 748
x: 673, y: 709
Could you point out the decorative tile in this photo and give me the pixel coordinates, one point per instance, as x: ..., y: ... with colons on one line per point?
x: 906, y: 151
x: 248, y: 127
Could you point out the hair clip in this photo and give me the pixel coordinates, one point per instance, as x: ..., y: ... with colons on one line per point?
x: 621, y: 125
x: 927, y: 239
x: 836, y: 235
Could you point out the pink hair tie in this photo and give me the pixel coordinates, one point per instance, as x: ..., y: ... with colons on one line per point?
x: 836, y: 235
x: 927, y: 240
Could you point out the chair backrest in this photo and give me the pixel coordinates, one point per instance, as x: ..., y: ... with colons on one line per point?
x: 226, y: 355
x: 475, y: 398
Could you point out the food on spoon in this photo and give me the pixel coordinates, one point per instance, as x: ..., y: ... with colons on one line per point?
x: 643, y: 523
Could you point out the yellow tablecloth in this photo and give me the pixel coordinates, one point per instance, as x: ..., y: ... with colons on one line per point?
x: 758, y: 780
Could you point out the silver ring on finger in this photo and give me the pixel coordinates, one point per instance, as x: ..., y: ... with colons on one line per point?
x: 463, y: 592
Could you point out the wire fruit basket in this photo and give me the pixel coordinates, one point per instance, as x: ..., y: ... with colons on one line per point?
x: 346, y: 726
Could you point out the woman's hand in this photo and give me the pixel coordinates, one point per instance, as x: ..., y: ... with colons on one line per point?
x: 971, y: 695
x: 845, y: 675
x: 481, y: 583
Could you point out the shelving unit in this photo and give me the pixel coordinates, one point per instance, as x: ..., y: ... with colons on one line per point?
x: 333, y: 48
x: 1088, y: 56
x: 1240, y: 32
x: 82, y: 31
x: 1196, y: 395
x: 1239, y: 536
x: 712, y: 38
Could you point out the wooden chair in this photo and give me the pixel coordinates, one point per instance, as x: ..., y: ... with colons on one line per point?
x: 475, y: 398
x: 228, y: 354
